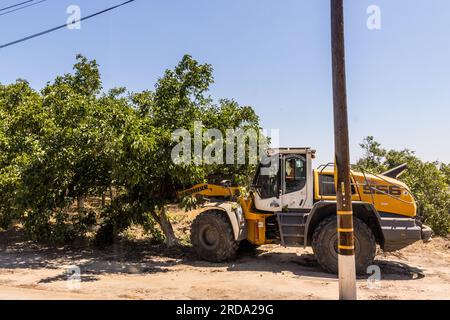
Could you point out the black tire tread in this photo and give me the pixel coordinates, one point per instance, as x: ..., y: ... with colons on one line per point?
x: 229, y: 246
x: 360, y: 227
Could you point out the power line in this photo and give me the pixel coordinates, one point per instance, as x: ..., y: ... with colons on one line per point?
x: 64, y: 25
x: 16, y: 5
x: 21, y: 8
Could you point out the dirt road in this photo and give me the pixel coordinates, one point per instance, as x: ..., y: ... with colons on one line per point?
x: 141, y: 271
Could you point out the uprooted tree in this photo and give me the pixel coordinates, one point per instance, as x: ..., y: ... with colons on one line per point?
x: 70, y: 141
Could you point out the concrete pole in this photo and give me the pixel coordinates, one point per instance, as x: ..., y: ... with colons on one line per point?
x: 346, y: 247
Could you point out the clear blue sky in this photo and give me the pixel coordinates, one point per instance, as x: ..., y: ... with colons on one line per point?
x: 272, y: 55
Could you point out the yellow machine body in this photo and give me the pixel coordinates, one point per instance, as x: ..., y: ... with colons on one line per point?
x: 294, y: 191
x: 385, y: 194
x: 210, y: 191
x: 293, y: 205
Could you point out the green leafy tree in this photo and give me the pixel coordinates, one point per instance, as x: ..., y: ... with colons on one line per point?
x: 445, y: 169
x: 373, y: 155
x: 57, y: 149
x: 22, y: 120
x: 71, y: 141
x: 143, y: 165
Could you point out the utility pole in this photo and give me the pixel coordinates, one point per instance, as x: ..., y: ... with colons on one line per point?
x: 346, y: 243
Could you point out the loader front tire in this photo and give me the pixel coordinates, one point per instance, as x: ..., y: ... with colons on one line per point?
x: 212, y: 237
x: 325, y: 245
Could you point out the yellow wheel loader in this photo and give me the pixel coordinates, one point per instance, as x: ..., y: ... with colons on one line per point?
x: 293, y: 205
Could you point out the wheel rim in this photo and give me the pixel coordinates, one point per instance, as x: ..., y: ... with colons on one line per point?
x: 333, y: 246
x: 209, y: 237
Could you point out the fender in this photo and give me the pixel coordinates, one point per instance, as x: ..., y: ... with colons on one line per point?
x: 235, y: 215
x: 362, y: 210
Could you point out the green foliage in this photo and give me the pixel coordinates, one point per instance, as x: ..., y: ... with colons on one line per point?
x: 143, y: 165
x: 445, y: 169
x: 189, y: 203
x: 70, y: 141
x: 55, y: 148
x: 429, y: 181
x: 373, y: 155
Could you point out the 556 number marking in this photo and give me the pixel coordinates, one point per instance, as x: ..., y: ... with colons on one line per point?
x: 383, y: 189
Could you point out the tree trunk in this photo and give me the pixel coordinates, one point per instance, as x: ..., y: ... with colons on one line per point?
x: 103, y: 200
x: 166, y: 226
x: 80, y: 203
x: 111, y: 194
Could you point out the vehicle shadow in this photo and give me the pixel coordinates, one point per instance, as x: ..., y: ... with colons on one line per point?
x: 306, y: 265
x: 142, y: 257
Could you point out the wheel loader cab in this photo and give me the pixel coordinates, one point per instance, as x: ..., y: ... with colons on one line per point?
x: 285, y: 183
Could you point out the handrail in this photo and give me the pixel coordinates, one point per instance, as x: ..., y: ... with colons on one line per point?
x: 368, y: 183
x: 321, y: 171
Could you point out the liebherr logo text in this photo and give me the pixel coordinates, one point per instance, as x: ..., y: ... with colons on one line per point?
x: 195, y: 190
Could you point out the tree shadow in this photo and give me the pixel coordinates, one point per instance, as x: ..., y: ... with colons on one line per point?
x: 123, y: 257
x: 65, y: 277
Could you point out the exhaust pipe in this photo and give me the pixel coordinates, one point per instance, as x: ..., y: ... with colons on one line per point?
x: 396, y: 172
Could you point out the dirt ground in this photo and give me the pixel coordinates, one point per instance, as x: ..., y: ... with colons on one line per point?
x: 140, y: 270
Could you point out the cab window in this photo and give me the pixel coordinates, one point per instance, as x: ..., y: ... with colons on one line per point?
x: 327, y: 186
x: 295, y: 175
x: 268, y: 184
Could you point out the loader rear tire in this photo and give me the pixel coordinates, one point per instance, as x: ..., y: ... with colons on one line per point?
x: 212, y: 237
x: 325, y: 245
